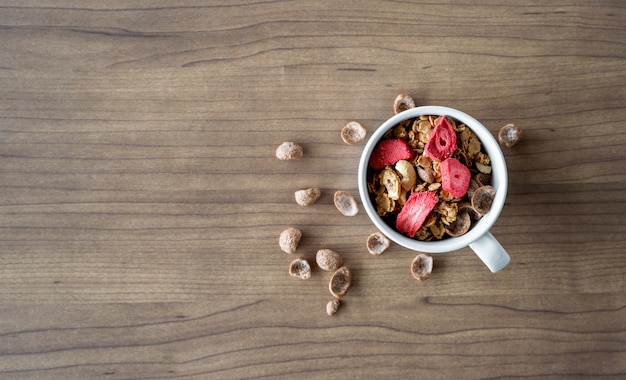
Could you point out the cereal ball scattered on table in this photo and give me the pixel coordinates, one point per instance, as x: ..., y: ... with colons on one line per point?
x: 403, y: 102
x: 377, y: 243
x: 289, y: 239
x: 289, y: 151
x: 340, y: 282
x: 332, y: 307
x: 345, y: 203
x: 509, y: 135
x: 422, y: 266
x: 328, y: 260
x: 353, y: 133
x: 301, y: 268
x: 308, y: 196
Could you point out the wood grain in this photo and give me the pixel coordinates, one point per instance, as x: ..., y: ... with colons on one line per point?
x: 141, y: 201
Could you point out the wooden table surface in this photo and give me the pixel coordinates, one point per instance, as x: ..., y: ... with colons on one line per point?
x: 141, y: 199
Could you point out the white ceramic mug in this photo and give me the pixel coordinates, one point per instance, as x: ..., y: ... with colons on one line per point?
x: 478, y: 238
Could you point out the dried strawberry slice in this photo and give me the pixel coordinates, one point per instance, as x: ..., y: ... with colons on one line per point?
x: 388, y: 152
x: 415, y: 211
x: 442, y: 142
x: 455, y: 177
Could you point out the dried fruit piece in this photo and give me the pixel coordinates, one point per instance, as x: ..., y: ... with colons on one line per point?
x: 460, y: 226
x: 442, y: 142
x: 483, y: 198
x: 415, y: 211
x: 422, y: 266
x: 426, y: 175
x: 485, y: 169
x: 430, y: 220
x: 289, y: 239
x: 308, y: 196
x: 328, y: 260
x: 340, y: 282
x: 509, y: 135
x: 388, y: 152
x: 408, y: 177
x: 403, y: 102
x: 289, y: 151
x: 345, y: 203
x: 377, y: 243
x: 455, y: 177
x: 402, y: 198
x: 333, y: 306
x: 353, y: 133
x: 301, y: 268
x: 391, y: 181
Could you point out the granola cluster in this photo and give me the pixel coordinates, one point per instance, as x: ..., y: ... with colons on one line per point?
x: 391, y: 186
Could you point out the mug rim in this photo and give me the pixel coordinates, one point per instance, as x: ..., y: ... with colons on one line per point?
x: 499, y: 181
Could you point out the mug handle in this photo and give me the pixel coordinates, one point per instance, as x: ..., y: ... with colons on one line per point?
x: 490, y: 252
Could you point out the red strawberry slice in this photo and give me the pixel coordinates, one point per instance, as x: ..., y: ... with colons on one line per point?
x: 415, y: 211
x: 442, y: 142
x: 388, y: 152
x: 455, y: 177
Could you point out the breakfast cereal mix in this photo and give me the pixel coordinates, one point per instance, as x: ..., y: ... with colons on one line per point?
x: 429, y: 178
